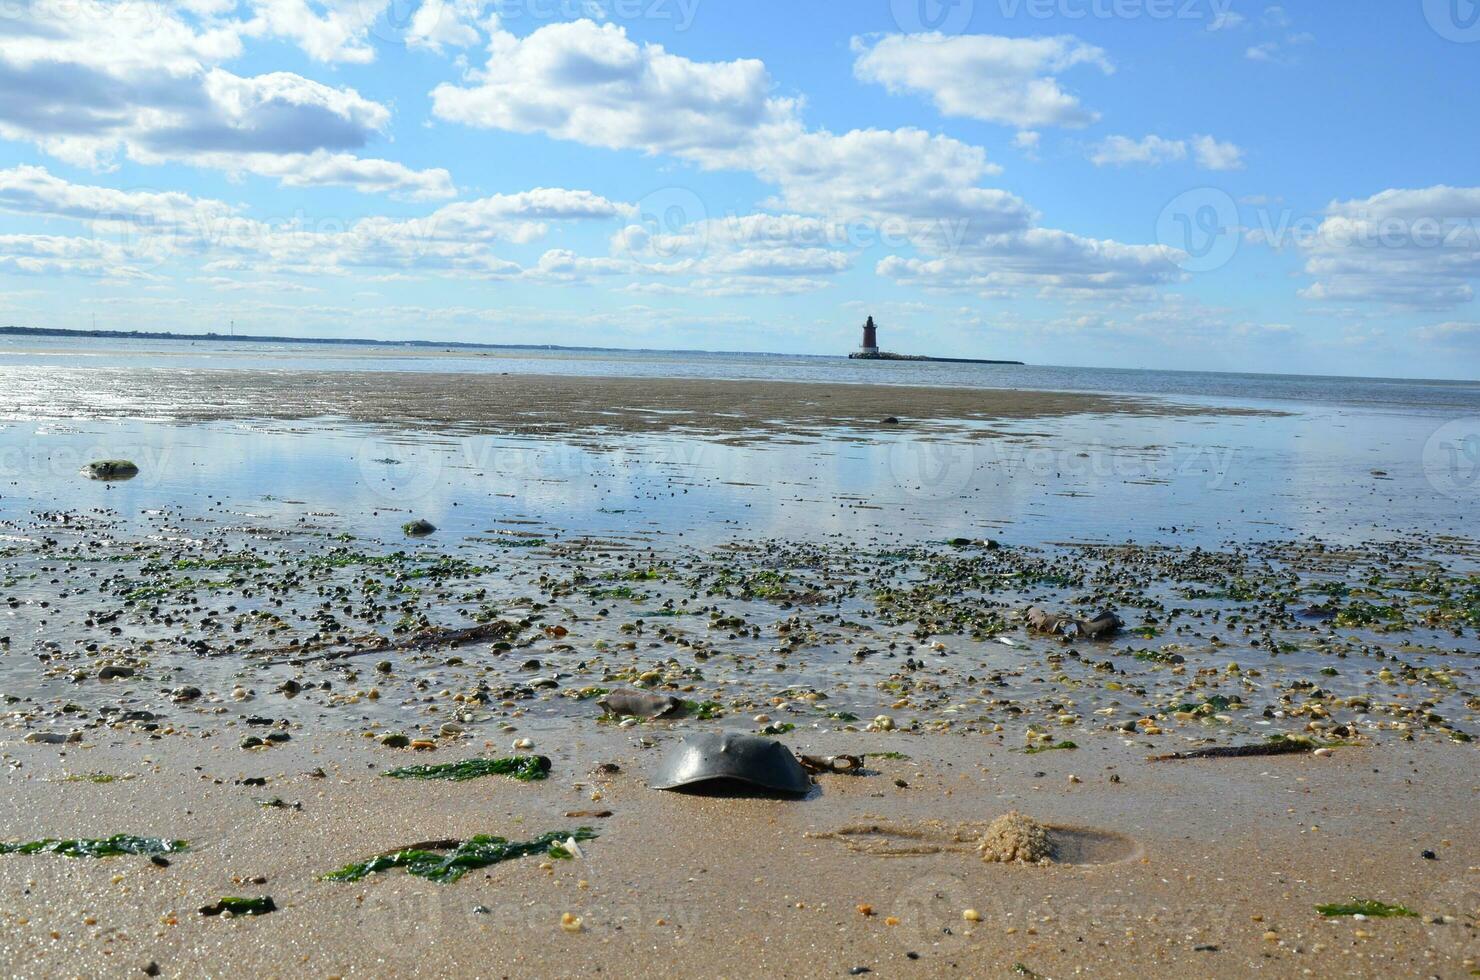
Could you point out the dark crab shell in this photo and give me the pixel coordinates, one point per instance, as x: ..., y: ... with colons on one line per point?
x: 703, y: 757
x: 627, y: 701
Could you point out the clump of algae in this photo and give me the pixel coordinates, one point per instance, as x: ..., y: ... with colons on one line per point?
x: 1015, y: 837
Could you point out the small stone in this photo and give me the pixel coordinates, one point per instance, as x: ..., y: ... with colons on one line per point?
x: 523, y: 744
x: 394, y: 740
x: 971, y: 915
x: 570, y: 923
x: 252, y: 742
x: 114, y: 672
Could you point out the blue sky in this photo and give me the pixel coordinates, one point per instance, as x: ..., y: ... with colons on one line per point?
x: 1204, y: 184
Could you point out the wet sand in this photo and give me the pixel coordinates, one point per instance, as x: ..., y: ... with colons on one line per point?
x: 1195, y: 868
x: 1222, y: 864
x: 552, y: 405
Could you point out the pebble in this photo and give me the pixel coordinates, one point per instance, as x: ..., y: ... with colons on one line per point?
x: 570, y: 923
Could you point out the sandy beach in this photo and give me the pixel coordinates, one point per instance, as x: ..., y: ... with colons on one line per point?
x: 535, y: 404
x: 1221, y: 866
x: 204, y: 658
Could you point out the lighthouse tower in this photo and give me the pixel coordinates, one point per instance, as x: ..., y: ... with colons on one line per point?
x: 870, y: 338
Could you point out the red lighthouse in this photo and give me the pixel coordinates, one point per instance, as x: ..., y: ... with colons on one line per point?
x: 870, y: 337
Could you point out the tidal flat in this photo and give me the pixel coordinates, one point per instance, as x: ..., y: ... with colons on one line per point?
x: 233, y: 648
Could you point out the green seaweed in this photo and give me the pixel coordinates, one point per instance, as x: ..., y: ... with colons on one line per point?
x: 702, y: 710
x: 525, y: 768
x: 446, y: 861
x: 233, y: 906
x: 1369, y: 907
x: 92, y: 777
x: 97, y: 846
x: 1065, y: 744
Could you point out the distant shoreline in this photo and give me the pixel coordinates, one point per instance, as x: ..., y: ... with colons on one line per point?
x: 13, y: 331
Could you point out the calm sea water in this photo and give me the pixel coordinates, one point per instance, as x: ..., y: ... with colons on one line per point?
x: 1354, y: 459
x: 1436, y: 396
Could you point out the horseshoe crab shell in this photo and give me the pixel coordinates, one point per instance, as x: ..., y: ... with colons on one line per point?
x: 640, y: 704
x: 708, y: 756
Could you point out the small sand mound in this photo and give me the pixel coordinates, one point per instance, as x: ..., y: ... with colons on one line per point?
x: 1014, y: 837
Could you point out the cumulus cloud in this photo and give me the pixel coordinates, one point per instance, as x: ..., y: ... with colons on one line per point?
x: 593, y: 84
x: 1052, y: 261
x: 131, y: 232
x: 135, y: 78
x: 1006, y: 80
x: 1121, y: 150
x: 1213, y: 155
x: 1209, y: 153
x: 1460, y: 335
x: 1416, y: 248
x: 327, y: 30
x: 438, y: 24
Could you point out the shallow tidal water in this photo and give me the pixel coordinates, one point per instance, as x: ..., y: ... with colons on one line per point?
x: 809, y: 581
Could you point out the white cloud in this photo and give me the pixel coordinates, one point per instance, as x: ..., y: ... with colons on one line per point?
x: 327, y: 30
x: 1209, y: 153
x: 34, y: 190
x: 445, y: 23
x: 87, y: 80
x: 135, y: 231
x: 1416, y: 248
x: 1454, y: 335
x: 49, y: 255
x: 1261, y: 52
x: 1121, y: 150
x: 1225, y: 20
x: 593, y: 84
x: 1213, y: 155
x: 996, y: 79
x: 1054, y: 262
